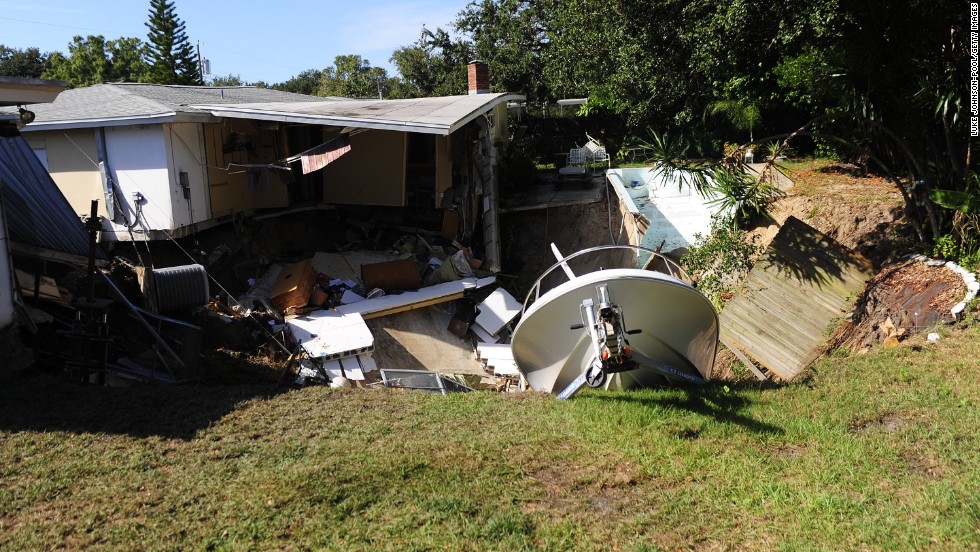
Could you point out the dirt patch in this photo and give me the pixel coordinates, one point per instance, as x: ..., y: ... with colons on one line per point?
x: 863, y: 213
x: 905, y: 298
x: 887, y: 423
x: 565, y: 491
x: 922, y: 462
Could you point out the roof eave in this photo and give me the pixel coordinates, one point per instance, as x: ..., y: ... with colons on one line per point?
x: 356, y: 122
x: 325, y: 120
x: 67, y: 124
x: 503, y: 99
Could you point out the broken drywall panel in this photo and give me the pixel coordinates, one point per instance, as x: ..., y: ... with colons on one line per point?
x: 350, y: 297
x: 498, y: 357
x: 497, y: 310
x: 483, y: 335
x: 333, y: 369
x: 352, y: 368
x: 391, y: 304
x: 367, y: 363
x: 331, y: 335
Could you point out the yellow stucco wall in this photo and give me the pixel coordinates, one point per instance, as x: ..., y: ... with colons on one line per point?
x: 70, y: 161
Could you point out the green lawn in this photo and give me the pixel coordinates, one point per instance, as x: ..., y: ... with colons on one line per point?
x: 879, y: 451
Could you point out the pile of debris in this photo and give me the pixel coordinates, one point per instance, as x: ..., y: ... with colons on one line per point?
x: 322, y: 307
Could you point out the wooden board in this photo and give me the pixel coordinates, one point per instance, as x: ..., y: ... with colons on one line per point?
x: 410, y: 300
x: 400, y: 274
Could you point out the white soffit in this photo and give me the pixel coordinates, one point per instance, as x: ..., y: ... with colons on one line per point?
x: 441, y: 115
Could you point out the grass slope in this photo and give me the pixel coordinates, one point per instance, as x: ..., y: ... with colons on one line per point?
x: 878, y: 451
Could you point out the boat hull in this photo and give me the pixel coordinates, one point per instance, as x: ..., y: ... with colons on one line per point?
x: 678, y: 327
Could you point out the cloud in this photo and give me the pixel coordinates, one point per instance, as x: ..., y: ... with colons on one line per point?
x: 391, y: 26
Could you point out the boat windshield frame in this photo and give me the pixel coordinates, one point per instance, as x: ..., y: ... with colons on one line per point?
x: 673, y: 269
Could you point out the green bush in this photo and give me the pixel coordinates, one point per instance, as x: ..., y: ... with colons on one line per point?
x: 719, y: 261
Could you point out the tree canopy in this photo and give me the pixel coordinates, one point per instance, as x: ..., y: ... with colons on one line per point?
x: 352, y: 76
x: 95, y: 60
x: 30, y: 62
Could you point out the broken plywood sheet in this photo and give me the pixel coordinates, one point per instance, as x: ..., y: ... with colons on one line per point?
x: 497, y: 310
x: 793, y: 298
x: 391, y: 304
x: 331, y: 335
x: 419, y: 340
x: 347, y: 265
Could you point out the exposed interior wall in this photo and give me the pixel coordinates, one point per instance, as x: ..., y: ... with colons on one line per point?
x: 70, y: 155
x: 242, y: 142
x: 371, y: 173
x: 185, y: 142
x: 499, y: 132
x: 137, y: 158
x: 444, y: 167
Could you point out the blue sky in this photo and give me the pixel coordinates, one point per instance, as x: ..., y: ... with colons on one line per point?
x: 268, y: 41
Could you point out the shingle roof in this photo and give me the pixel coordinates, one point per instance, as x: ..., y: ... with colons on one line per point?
x: 96, y: 105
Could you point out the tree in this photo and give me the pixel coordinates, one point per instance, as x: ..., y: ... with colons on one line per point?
x: 434, y: 66
x: 227, y: 80
x: 171, y: 57
x: 307, y: 82
x: 29, y: 63
x: 353, y: 77
x: 512, y: 37
x: 93, y: 60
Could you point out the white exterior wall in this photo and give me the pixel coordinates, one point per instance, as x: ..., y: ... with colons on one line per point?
x: 137, y: 157
x: 185, y: 142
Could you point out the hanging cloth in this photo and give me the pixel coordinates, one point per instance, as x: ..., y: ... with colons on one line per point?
x: 316, y: 158
x: 258, y: 178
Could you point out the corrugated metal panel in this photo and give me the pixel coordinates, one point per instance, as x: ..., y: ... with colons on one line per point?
x: 38, y: 215
x: 793, y: 299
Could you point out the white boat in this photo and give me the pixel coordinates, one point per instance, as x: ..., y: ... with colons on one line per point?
x: 615, y: 328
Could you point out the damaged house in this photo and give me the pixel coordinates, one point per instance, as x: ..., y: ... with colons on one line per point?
x: 161, y: 163
x: 173, y: 160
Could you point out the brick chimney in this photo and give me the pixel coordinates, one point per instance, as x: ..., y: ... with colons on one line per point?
x: 479, y: 77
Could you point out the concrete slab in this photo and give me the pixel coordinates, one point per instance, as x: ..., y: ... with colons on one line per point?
x: 420, y: 340
x: 553, y: 191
